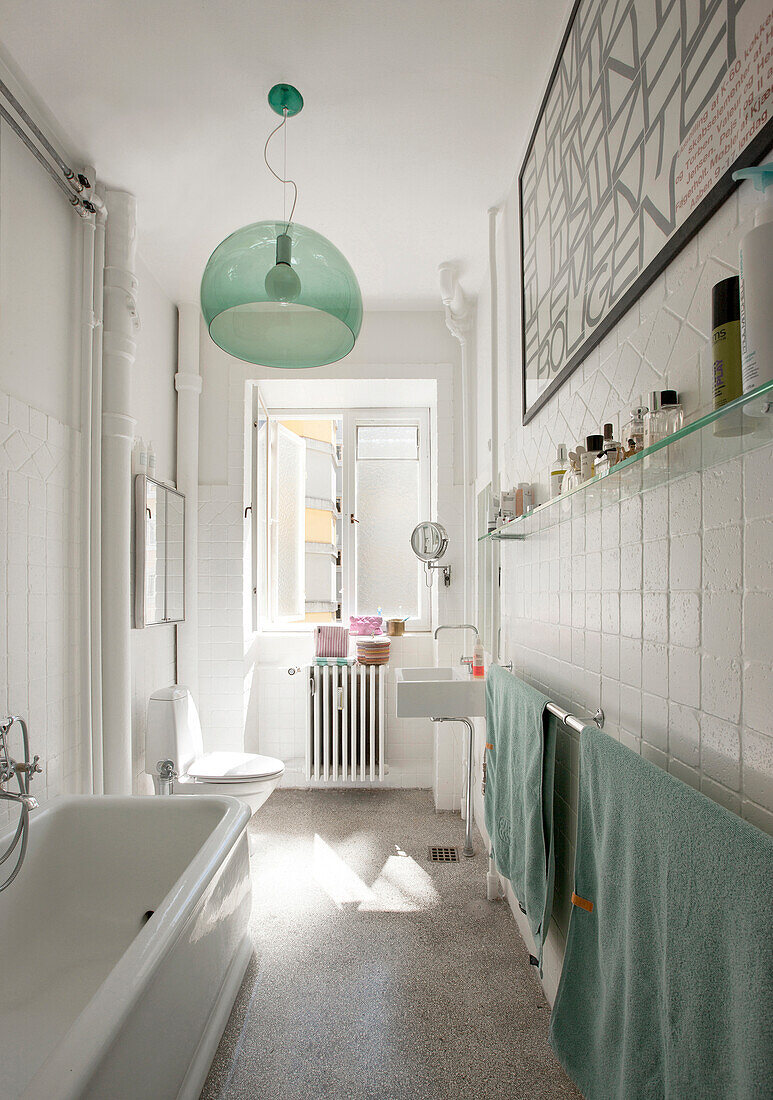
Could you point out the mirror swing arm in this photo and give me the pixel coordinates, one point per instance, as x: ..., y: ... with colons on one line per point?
x: 436, y: 565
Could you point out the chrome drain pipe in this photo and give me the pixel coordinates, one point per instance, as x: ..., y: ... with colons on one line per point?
x: 469, y: 851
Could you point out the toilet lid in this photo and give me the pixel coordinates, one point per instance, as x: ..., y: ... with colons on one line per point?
x: 234, y: 767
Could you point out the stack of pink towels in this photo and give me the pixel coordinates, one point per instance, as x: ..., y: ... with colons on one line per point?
x: 331, y: 640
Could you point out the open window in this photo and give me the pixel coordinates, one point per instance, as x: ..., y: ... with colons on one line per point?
x: 337, y: 495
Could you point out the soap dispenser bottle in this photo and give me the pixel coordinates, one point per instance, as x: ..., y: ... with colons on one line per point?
x: 478, y: 670
x: 756, y: 286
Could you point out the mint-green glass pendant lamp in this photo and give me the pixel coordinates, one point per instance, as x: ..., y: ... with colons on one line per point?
x: 276, y: 293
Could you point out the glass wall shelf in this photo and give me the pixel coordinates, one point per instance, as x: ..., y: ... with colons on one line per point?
x: 742, y: 426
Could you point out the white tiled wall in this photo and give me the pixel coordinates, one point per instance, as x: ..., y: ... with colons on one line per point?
x: 657, y: 607
x: 221, y: 635
x: 39, y: 591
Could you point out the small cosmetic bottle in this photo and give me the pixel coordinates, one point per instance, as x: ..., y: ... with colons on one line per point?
x: 557, y: 471
x: 612, y: 451
x: 633, y: 432
x: 668, y: 418
x: 524, y: 498
x: 594, y: 445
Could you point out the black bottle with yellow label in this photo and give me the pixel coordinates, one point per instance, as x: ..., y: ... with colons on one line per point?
x: 726, y: 347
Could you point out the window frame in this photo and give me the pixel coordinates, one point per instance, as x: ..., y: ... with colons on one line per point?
x: 351, y: 419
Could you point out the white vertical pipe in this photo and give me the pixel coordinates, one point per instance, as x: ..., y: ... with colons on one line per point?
x: 120, y: 326
x: 187, y: 382
x: 492, y: 250
x: 309, y: 720
x: 345, y: 723
x: 381, y: 719
x: 88, y: 323
x: 459, y: 324
x: 95, y: 505
x: 363, y: 720
x: 372, y: 717
x: 318, y: 723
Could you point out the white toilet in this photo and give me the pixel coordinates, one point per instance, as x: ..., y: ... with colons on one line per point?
x: 173, y: 732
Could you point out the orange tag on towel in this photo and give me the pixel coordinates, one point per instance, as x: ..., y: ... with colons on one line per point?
x: 489, y: 745
x: 582, y: 903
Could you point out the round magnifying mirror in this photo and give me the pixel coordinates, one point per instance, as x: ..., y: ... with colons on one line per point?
x: 429, y: 541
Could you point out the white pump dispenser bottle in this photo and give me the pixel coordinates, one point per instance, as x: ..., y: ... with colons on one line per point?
x: 756, y: 256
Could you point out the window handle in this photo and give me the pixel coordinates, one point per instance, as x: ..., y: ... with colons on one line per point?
x: 353, y: 518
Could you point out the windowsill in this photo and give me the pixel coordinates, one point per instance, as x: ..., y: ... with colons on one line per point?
x: 304, y: 634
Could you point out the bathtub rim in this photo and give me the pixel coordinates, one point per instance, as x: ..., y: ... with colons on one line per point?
x: 94, y: 1031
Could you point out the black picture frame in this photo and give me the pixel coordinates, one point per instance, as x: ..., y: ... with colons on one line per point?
x: 750, y: 155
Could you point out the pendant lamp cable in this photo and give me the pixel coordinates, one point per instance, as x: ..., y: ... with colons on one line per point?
x: 274, y: 174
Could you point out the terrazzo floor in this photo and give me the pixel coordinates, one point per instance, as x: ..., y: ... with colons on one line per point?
x: 378, y: 975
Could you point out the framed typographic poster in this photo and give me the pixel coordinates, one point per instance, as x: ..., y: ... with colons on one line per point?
x: 650, y: 107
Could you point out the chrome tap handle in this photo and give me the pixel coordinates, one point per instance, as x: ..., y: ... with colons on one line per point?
x: 166, y: 771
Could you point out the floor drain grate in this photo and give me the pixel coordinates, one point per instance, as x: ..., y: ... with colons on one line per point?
x: 439, y: 853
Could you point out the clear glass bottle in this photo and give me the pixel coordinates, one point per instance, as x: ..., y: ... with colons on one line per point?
x: 633, y: 432
x: 594, y: 445
x: 557, y: 471
x: 667, y: 419
x: 572, y: 476
x: 612, y: 451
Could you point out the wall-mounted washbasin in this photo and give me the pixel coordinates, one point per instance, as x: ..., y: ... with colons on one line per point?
x: 439, y: 693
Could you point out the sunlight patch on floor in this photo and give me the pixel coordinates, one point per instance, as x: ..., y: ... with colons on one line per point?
x: 402, y: 886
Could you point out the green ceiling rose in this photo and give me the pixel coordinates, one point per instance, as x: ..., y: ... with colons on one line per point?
x: 278, y: 294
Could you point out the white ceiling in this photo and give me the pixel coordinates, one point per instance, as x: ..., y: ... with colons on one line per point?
x: 416, y: 117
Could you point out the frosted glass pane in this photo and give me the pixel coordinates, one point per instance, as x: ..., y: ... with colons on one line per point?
x: 289, y: 537
x: 387, y: 507
x: 387, y: 441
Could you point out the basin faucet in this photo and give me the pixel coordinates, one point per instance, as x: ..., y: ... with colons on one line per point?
x: 457, y: 626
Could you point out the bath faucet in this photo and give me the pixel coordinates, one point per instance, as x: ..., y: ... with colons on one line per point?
x: 457, y: 626
x: 28, y: 801
x: 22, y: 773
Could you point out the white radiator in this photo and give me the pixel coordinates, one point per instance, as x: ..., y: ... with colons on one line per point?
x: 346, y: 724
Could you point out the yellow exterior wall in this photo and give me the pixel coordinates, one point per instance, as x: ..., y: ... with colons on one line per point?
x: 324, y: 430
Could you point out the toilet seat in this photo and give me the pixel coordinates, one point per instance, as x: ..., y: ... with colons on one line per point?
x: 235, y: 767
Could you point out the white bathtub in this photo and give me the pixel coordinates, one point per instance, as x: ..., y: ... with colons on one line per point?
x: 98, y: 1000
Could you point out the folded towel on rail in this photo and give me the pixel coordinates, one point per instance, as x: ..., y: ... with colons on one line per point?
x: 666, y: 991
x: 519, y: 794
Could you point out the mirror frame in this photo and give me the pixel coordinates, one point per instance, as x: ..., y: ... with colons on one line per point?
x: 140, y: 547
x: 441, y: 533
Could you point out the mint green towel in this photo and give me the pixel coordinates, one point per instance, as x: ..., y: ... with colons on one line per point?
x: 667, y: 987
x: 519, y: 794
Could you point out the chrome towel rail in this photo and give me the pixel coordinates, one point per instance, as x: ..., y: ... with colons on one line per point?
x: 570, y: 720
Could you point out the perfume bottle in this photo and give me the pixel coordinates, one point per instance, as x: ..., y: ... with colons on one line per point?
x: 633, y: 432
x: 557, y: 471
x: 612, y: 451
x: 572, y: 477
x: 594, y: 444
x: 666, y: 419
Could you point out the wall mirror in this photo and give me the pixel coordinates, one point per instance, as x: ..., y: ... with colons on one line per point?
x: 429, y: 542
x: 159, y: 593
